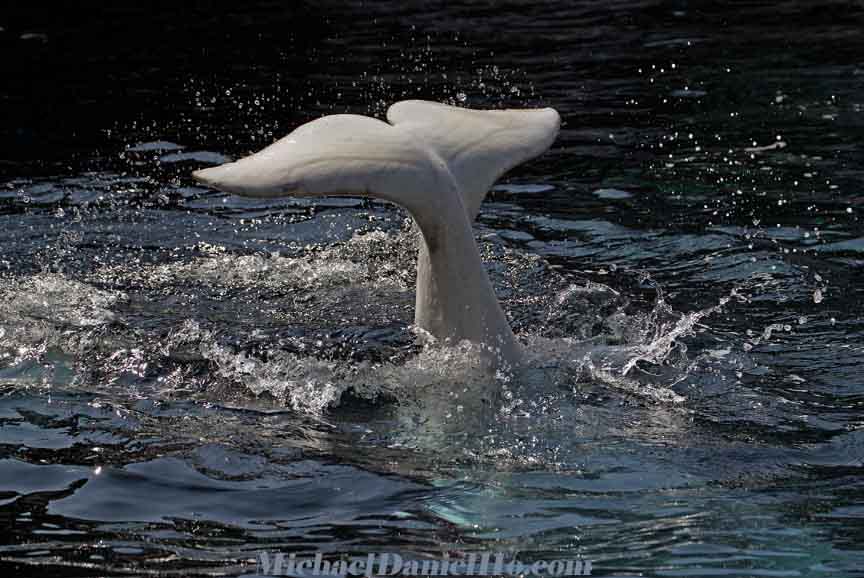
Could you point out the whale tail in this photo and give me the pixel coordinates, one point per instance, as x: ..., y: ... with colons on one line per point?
x: 438, y: 162
x: 425, y: 144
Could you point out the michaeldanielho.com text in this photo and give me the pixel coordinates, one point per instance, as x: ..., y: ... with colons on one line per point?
x: 388, y: 564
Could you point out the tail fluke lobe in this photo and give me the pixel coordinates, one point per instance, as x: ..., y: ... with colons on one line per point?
x: 478, y: 146
x: 340, y: 154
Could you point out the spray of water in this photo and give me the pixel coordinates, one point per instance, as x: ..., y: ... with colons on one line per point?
x: 224, y: 341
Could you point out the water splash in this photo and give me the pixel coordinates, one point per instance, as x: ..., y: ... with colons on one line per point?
x: 269, y: 326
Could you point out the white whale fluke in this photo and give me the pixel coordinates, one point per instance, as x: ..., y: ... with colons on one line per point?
x: 435, y: 160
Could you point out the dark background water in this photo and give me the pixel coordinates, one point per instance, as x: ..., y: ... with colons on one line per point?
x: 109, y: 466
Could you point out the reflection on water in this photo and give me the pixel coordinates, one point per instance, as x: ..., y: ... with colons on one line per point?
x: 188, y: 378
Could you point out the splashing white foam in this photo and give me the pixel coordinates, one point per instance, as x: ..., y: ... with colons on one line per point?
x: 357, y: 262
x: 57, y: 300
x: 49, y: 310
x: 53, y: 311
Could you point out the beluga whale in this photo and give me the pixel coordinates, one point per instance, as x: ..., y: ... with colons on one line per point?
x: 435, y: 160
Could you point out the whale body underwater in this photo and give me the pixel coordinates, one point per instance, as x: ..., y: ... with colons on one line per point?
x: 435, y: 160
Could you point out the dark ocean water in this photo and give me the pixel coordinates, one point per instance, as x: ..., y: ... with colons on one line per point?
x: 189, y: 378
